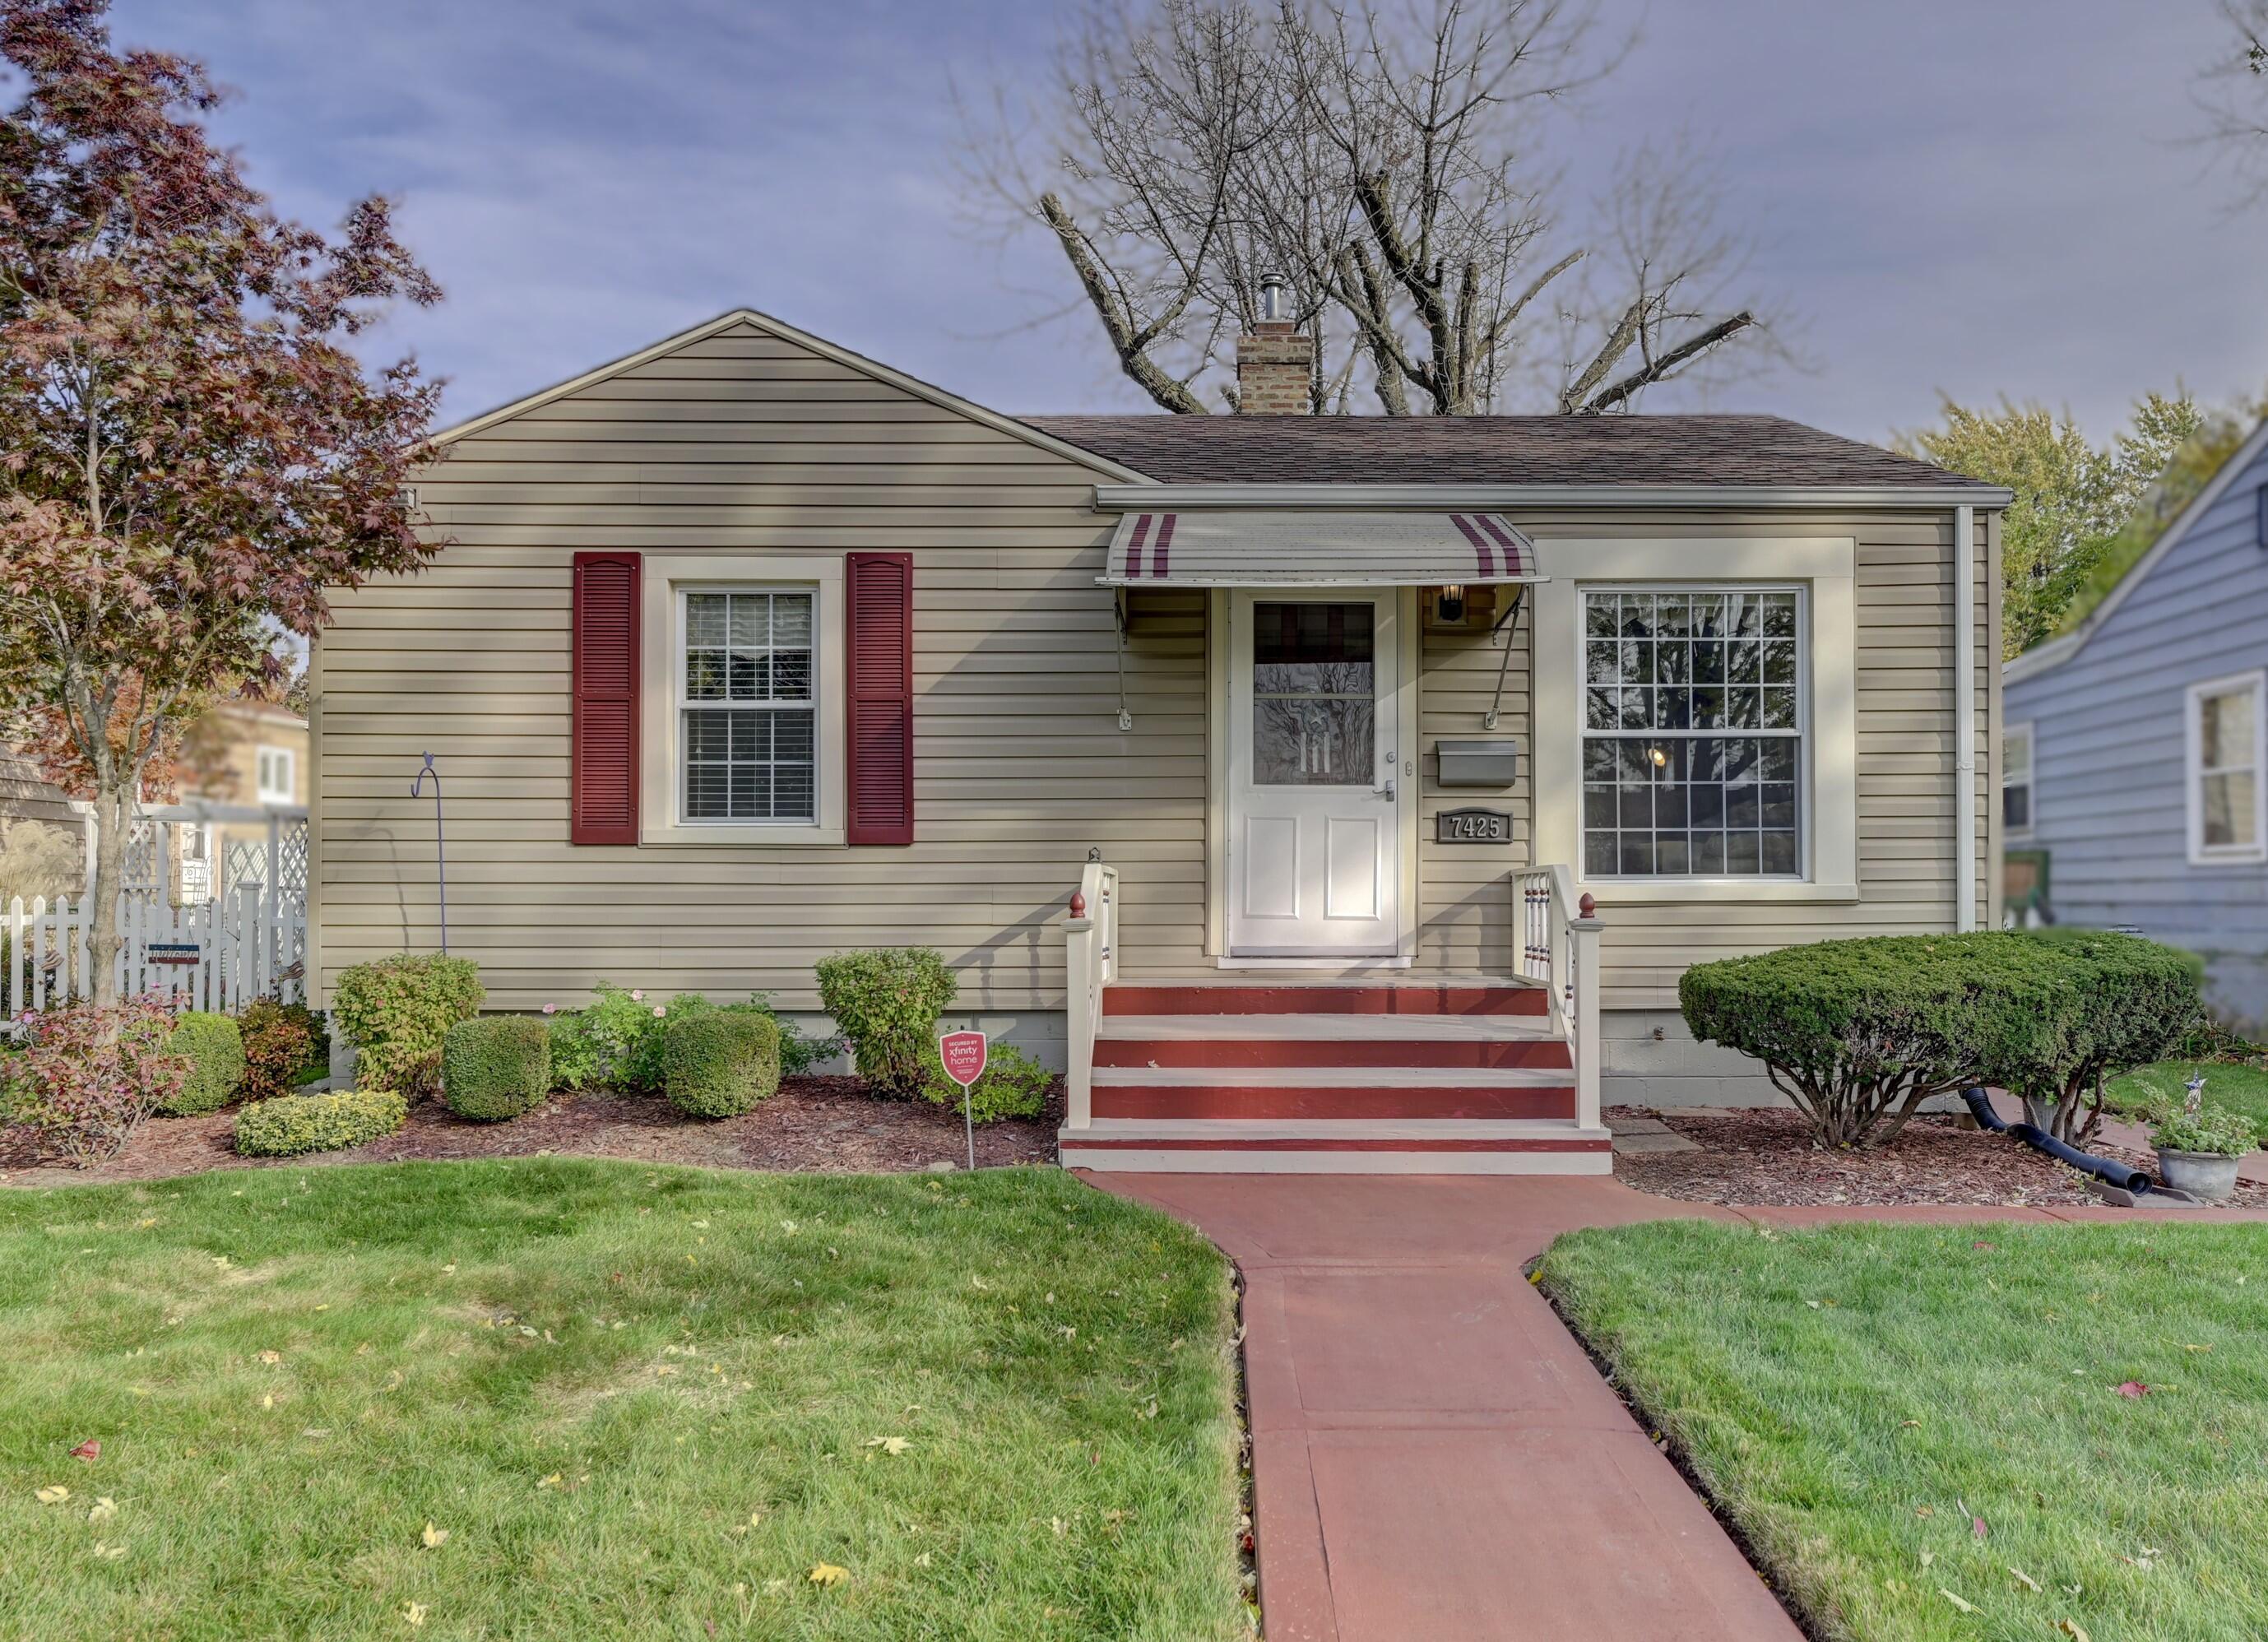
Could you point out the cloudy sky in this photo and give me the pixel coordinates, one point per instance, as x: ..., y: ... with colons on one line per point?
x: 1950, y: 196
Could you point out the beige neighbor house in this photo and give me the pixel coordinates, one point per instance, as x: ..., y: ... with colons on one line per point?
x: 243, y: 791
x: 1326, y: 793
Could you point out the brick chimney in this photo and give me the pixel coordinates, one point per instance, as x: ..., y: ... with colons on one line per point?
x: 1275, y: 363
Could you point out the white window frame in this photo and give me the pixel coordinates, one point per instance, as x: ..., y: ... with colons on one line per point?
x: 2009, y: 733
x: 1800, y: 734
x: 682, y: 596
x: 666, y: 580
x: 2193, y: 771
x: 266, y: 792
x: 1827, y: 568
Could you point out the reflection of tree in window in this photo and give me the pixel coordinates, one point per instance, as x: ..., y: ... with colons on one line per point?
x: 1314, y: 686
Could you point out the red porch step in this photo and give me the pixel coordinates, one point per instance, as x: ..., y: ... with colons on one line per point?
x: 1336, y: 998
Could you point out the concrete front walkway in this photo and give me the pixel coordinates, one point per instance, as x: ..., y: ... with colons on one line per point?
x: 1434, y: 1456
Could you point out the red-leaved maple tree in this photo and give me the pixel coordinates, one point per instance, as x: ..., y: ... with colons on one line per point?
x: 193, y: 455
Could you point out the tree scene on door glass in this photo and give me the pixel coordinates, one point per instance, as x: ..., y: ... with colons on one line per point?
x: 1313, y: 689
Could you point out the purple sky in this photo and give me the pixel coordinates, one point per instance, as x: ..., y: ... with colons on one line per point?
x: 1951, y: 196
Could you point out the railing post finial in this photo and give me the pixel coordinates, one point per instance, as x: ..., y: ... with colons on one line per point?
x: 1077, y: 904
x: 1588, y: 907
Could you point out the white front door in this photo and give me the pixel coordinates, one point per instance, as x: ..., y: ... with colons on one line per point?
x: 1314, y: 832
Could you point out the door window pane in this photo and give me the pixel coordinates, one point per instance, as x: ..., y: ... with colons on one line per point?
x: 1314, y: 695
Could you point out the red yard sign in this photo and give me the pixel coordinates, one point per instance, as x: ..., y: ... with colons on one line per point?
x: 963, y: 1054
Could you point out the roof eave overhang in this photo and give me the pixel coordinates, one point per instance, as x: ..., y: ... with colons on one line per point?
x: 1120, y: 498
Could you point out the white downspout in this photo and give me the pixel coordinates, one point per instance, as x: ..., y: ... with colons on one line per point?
x: 1964, y: 709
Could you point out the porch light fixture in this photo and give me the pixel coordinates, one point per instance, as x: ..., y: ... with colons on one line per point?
x: 1449, y: 606
x: 1659, y: 755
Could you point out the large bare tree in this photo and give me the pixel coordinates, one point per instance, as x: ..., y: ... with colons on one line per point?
x: 2234, y: 93
x: 1385, y: 160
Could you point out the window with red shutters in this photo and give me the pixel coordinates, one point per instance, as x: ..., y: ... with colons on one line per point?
x: 603, y: 781
x: 880, y: 603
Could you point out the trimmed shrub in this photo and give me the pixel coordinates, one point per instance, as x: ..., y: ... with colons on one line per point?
x: 395, y: 1012
x: 292, y: 1123
x: 214, y: 1049
x: 1014, y: 1085
x: 279, y: 1046
x: 496, y: 1066
x: 1858, y: 1033
x: 601, y: 1046
x: 86, y: 1077
x: 719, y: 1062
x: 887, y: 1001
x: 2125, y: 1002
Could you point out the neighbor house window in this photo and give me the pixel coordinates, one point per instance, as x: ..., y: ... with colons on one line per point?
x: 745, y: 705
x: 1693, y: 725
x: 2228, y: 765
x: 274, y: 776
x: 2016, y: 780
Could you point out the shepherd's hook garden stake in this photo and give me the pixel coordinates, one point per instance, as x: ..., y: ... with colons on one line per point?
x: 440, y: 854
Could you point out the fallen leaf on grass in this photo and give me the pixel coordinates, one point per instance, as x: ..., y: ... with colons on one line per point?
x: 552, y: 1481
x: 53, y: 1495
x: 2133, y: 1388
x: 1927, y: 1557
x: 827, y: 1573
x: 2023, y: 1578
x: 102, y: 1510
x: 1966, y: 1608
x: 271, y: 1357
x: 434, y: 1537
x: 414, y: 1612
x: 891, y: 1446
x: 2072, y: 1629
x: 108, y: 1553
x: 90, y: 1451
x: 2197, y: 1348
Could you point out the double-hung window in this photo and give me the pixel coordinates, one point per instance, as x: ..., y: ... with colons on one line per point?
x: 274, y: 776
x: 1694, y: 717
x: 2016, y: 781
x: 2228, y: 766
x: 748, y: 741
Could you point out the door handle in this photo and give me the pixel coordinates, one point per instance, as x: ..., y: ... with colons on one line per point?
x: 1386, y: 792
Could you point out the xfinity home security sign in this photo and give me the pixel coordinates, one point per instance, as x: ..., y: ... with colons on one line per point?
x: 963, y: 1054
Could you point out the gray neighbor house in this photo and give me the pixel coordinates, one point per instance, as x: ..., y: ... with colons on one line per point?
x: 2133, y: 759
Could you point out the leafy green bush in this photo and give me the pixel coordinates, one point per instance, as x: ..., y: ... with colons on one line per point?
x: 887, y: 1001
x: 214, y: 1049
x: 616, y: 1041
x: 280, y: 1046
x: 496, y: 1066
x: 1858, y: 1033
x: 2125, y: 1002
x: 1014, y: 1085
x: 292, y: 1123
x: 719, y: 1062
x: 395, y: 1012
x: 84, y: 1077
x: 2220, y: 1130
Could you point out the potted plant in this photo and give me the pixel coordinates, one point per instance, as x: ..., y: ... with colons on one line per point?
x: 2199, y: 1146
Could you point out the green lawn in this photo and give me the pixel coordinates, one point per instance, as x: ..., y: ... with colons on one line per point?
x: 1857, y: 1398
x: 2227, y: 1083
x: 638, y: 1400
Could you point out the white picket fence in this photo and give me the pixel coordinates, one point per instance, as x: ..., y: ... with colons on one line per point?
x: 217, y: 954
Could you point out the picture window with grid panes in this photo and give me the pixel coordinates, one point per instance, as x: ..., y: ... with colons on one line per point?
x: 748, y: 740
x: 1693, y: 726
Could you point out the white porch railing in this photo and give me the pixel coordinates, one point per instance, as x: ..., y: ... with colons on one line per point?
x: 1090, y: 964
x: 1561, y: 949
x: 209, y: 955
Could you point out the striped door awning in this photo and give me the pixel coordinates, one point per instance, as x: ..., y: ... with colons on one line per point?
x: 1231, y: 549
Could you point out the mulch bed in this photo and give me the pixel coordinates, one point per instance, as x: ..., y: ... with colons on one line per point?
x: 814, y: 1124
x: 1766, y: 1155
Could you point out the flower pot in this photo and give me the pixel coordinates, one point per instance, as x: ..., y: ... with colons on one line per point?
x: 2205, y: 1174
x: 2040, y: 1113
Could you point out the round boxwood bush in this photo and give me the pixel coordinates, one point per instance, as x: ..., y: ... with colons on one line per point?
x: 720, y: 1063
x: 292, y: 1123
x: 214, y: 1048
x: 496, y: 1066
x: 395, y: 1011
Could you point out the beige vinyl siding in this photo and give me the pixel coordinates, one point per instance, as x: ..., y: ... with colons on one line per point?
x: 736, y: 444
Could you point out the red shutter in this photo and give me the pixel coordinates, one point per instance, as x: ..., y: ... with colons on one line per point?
x: 881, y: 601
x: 603, y: 783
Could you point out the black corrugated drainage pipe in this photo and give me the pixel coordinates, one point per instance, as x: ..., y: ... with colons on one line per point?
x: 2125, y: 1176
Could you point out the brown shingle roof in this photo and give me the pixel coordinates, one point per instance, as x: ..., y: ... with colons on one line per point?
x: 27, y: 795
x: 1634, y: 450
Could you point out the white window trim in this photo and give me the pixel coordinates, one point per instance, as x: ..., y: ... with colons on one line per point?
x: 2031, y: 782
x: 665, y: 579
x: 1827, y: 568
x: 263, y: 794
x: 2193, y: 770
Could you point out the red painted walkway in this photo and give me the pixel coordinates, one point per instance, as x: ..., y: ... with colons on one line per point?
x: 1434, y: 1457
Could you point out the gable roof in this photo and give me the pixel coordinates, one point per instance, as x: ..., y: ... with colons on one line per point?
x: 27, y: 795
x: 780, y: 328
x: 1705, y: 450
x: 2063, y: 646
